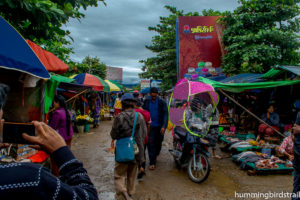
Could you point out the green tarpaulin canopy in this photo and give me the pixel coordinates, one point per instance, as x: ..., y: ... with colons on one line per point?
x: 240, y: 87
x: 276, y: 71
x: 51, y: 86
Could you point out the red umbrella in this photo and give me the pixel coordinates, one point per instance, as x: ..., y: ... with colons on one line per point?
x: 49, y: 60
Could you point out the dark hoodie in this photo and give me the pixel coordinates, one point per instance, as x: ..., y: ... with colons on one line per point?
x: 122, y: 128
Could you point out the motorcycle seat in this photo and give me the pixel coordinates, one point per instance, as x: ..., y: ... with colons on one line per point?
x: 181, y: 132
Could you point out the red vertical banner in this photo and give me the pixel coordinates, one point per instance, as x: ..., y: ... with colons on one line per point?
x: 197, y: 41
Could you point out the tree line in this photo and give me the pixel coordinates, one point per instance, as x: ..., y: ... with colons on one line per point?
x: 42, y: 21
x: 258, y: 35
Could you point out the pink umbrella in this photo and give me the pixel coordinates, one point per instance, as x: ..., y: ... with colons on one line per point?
x: 183, y: 90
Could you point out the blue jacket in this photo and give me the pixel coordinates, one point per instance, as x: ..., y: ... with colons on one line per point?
x: 163, y: 111
x: 273, y: 120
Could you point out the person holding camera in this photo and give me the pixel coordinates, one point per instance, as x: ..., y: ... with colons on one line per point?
x: 33, y: 181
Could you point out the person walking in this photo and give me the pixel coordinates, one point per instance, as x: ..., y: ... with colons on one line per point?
x: 159, y: 116
x: 60, y: 121
x: 118, y: 104
x: 96, y: 104
x: 123, y: 126
x: 146, y: 115
x: 296, y: 161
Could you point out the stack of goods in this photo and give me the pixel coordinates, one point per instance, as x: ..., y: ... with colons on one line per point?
x: 228, y: 133
x: 232, y: 139
x: 204, y: 69
x: 241, y: 144
x: 262, y: 163
x: 104, y: 113
x: 269, y: 163
x: 16, y: 152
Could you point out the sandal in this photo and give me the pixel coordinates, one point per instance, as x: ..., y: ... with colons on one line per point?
x: 152, y: 167
x: 218, y: 157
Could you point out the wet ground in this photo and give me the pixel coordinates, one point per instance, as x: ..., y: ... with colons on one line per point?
x: 167, y: 182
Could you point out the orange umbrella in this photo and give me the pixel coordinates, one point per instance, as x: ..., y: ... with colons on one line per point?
x: 49, y: 60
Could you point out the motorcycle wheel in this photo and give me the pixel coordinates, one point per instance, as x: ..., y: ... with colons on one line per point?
x: 176, y: 147
x: 202, y: 168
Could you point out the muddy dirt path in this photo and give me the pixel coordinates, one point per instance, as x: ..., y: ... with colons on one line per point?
x: 167, y: 182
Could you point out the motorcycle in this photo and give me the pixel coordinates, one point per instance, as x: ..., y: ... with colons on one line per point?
x: 195, y: 150
x: 192, y: 106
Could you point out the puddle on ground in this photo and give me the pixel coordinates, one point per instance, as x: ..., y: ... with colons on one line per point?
x: 107, y: 195
x: 225, y: 185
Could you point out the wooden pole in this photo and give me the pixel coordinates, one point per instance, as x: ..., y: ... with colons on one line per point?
x: 71, y: 98
x: 253, y: 115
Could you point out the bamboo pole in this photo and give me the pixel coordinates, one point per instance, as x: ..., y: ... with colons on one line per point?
x: 72, y: 98
x: 253, y: 115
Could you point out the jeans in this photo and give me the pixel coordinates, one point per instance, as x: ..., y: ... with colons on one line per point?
x: 154, y: 143
x: 296, y: 164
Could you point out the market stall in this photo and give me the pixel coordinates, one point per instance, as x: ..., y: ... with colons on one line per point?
x: 243, y: 100
x: 24, y: 73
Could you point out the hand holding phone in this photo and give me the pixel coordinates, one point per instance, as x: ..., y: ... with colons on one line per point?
x: 12, y: 132
x: 46, y: 138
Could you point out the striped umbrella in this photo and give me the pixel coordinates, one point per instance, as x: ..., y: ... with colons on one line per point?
x: 113, y: 87
x: 117, y: 84
x: 73, y: 76
x: 92, y: 80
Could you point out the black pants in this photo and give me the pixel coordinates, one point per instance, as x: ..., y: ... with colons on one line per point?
x: 154, y: 143
x: 143, y: 164
x: 296, y: 164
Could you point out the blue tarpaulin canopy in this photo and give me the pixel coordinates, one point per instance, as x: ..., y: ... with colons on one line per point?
x: 243, y: 78
x: 15, y: 53
x: 145, y: 90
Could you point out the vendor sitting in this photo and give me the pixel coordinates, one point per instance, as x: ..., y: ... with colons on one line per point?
x: 286, y: 148
x: 270, y: 118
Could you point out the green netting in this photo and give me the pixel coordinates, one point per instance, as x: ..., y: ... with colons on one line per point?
x: 240, y: 87
x: 50, y: 88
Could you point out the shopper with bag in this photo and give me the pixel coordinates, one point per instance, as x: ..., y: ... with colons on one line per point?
x: 129, y: 130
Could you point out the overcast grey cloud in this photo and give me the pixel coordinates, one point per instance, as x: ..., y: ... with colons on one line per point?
x: 117, y: 33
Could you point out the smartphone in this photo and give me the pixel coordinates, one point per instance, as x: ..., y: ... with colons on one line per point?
x: 12, y: 132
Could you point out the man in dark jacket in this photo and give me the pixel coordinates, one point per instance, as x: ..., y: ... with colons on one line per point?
x: 32, y: 181
x: 159, y: 117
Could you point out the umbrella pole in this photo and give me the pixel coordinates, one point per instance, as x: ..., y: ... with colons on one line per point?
x: 253, y: 115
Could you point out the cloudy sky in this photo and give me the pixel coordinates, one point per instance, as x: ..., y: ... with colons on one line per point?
x: 118, y: 32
